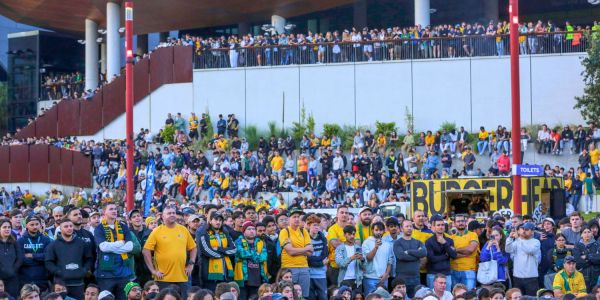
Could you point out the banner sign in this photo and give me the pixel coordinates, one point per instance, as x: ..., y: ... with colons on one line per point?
x: 428, y: 195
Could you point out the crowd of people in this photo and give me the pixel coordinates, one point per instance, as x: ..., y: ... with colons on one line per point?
x: 394, y: 43
x: 63, y: 86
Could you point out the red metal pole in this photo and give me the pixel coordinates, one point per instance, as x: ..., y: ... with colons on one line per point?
x: 516, y: 100
x: 129, y: 101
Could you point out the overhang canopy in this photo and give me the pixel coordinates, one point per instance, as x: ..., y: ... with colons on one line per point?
x: 157, y: 15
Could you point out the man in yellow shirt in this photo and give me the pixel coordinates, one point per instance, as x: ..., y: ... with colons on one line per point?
x: 569, y: 280
x: 335, y: 237
x: 464, y: 266
x: 194, y: 122
x: 296, y: 247
x: 277, y: 164
x: 483, y: 142
x: 172, y: 244
x: 594, y: 157
x: 363, y: 226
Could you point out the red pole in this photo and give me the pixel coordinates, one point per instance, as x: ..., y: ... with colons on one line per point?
x: 129, y: 101
x: 516, y: 100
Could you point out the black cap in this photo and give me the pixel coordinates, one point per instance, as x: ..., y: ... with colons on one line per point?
x: 32, y: 218
x: 130, y: 214
x: 216, y: 214
x: 296, y: 211
x: 475, y: 225
x: 436, y: 217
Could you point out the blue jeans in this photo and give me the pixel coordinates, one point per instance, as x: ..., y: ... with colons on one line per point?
x: 370, y: 285
x: 482, y: 146
x: 575, y: 201
x: 431, y: 277
x: 467, y: 278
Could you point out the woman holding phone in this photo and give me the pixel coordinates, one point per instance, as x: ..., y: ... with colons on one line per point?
x: 494, y: 250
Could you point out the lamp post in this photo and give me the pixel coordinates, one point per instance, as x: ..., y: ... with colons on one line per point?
x: 129, y: 102
x: 513, y: 11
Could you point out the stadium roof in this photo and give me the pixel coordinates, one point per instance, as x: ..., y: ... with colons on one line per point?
x: 157, y: 15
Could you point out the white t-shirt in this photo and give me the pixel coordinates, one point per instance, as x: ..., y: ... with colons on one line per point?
x: 351, y: 270
x: 382, y: 258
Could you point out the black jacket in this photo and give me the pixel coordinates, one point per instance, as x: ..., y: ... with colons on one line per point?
x: 206, y: 251
x: 10, y: 259
x: 438, y: 255
x: 69, y: 260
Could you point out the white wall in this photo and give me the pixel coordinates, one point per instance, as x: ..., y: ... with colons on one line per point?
x: 469, y: 92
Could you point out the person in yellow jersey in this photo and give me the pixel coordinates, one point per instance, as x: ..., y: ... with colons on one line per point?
x: 421, y: 233
x: 296, y: 248
x: 194, y: 122
x: 277, y: 164
x: 568, y: 280
x: 464, y: 266
x: 594, y: 157
x: 363, y: 225
x: 172, y: 244
x: 335, y: 237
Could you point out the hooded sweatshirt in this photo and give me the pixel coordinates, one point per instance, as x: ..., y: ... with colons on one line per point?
x: 33, y: 269
x: 69, y: 260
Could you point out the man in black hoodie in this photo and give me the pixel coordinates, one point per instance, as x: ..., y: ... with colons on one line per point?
x: 137, y: 226
x: 33, y: 247
x: 69, y: 259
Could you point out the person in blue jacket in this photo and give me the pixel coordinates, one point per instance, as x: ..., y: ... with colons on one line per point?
x: 494, y: 249
x: 33, y: 246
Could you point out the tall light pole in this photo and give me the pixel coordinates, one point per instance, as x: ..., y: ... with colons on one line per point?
x: 129, y: 101
x: 513, y: 11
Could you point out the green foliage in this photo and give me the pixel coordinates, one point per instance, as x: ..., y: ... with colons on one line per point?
x: 331, y: 130
x: 385, y: 128
x: 347, y: 136
x: 168, y: 134
x: 297, y: 131
x: 589, y: 103
x: 448, y: 126
x: 252, y: 137
x: 310, y: 124
x: 273, y: 129
x: 202, y: 144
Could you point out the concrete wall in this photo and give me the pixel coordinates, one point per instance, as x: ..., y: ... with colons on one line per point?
x: 470, y: 92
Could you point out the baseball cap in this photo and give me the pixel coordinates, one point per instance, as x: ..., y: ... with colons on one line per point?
x: 475, y: 225
x: 528, y: 226
x: 569, y: 258
x: 550, y: 220
x: 32, y: 218
x: 104, y: 295
x: 216, y: 214
x: 365, y: 209
x: 436, y: 217
x: 540, y: 293
x: 296, y: 210
x: 191, y: 218
x: 130, y: 214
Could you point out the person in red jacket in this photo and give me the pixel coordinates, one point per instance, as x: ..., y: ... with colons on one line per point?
x: 503, y: 164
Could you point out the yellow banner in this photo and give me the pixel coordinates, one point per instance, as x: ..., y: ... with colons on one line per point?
x: 428, y: 195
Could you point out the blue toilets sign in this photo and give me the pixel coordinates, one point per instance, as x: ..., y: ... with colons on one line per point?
x: 527, y: 170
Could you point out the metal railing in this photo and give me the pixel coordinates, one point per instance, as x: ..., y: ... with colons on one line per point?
x: 388, y: 50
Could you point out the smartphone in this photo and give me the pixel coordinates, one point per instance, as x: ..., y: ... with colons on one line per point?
x: 359, y: 250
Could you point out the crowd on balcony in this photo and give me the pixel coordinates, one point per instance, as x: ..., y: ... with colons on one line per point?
x: 379, y: 44
x: 63, y: 86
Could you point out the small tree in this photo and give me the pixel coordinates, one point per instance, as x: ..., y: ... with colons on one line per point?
x: 589, y: 103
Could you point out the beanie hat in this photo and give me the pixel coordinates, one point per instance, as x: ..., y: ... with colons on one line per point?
x: 246, y: 225
x: 149, y: 219
x: 129, y: 286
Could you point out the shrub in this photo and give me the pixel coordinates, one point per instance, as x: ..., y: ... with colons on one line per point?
x: 251, y: 135
x: 448, y: 126
x: 331, y: 130
x: 168, y: 134
x: 385, y: 128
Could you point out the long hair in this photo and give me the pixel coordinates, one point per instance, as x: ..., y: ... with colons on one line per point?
x: 169, y: 292
x: 11, y: 238
x: 502, y: 242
